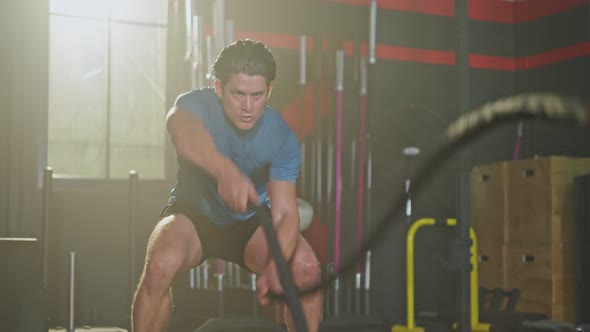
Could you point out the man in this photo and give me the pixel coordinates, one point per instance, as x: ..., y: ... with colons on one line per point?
x: 231, y: 149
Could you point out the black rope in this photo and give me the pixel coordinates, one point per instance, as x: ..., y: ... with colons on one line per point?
x: 291, y: 293
x: 549, y: 107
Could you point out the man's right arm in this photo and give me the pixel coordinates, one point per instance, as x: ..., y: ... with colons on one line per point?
x: 194, y: 143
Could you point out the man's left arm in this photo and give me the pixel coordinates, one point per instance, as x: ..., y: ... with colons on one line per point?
x: 283, y: 193
x: 285, y: 219
x: 285, y: 215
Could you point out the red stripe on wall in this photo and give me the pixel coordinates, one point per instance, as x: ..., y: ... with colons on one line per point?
x: 529, y: 62
x: 292, y: 113
x: 554, y: 56
x: 278, y: 40
x: 439, y: 57
x: 515, y: 12
x: 503, y: 11
x: 430, y: 7
x: 349, y: 48
x: 492, y: 62
x: 385, y: 52
x: 492, y: 10
x: 396, y: 53
x: 533, y: 9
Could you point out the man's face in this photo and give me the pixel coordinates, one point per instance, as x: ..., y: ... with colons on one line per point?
x: 243, y: 98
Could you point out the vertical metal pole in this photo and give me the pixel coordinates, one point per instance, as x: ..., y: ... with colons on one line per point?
x: 338, y: 175
x: 369, y: 187
x: 133, y: 182
x: 318, y: 172
x: 72, y: 290
x: 46, y: 215
x: 357, y: 290
x: 328, y: 292
x: 195, y: 53
x: 336, y: 312
x: 229, y: 267
x: 362, y: 160
x: 220, y: 293
x: 368, y: 283
x: 352, y: 164
x: 338, y: 171
x: 229, y: 31
x: 408, y: 201
x: 329, y: 200
x: 312, y: 165
x: 210, y: 57
x: 205, y: 266
x: 372, y: 30
x: 219, y: 25
x: 367, y: 82
x: 329, y: 208
x: 302, y: 60
x: 464, y: 225
x: 253, y: 292
x: 197, y: 277
x: 302, y: 83
x: 317, y: 119
x: 197, y: 74
x: 188, y: 15
x: 330, y: 173
x: 219, y: 267
x: 238, y: 275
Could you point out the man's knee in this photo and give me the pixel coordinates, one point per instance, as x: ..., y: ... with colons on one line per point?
x: 306, y: 270
x: 160, y: 271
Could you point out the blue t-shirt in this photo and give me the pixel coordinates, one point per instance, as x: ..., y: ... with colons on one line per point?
x: 268, y: 151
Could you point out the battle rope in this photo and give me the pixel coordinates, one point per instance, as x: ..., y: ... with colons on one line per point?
x: 544, y: 106
x: 291, y: 293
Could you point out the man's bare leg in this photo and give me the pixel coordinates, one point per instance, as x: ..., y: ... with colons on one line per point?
x: 163, y: 314
x: 306, y: 274
x: 173, y: 246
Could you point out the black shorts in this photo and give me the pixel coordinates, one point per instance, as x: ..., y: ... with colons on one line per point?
x: 223, y: 242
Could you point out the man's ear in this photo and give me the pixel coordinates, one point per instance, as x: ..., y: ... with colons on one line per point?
x: 269, y: 91
x: 218, y: 88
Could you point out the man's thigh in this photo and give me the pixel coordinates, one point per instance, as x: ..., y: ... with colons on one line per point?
x: 257, y: 252
x: 175, y: 238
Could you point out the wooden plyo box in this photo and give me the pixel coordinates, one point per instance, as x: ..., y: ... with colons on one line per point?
x: 546, y: 278
x: 523, y: 211
x: 491, y: 267
x: 539, y: 201
x: 488, y: 206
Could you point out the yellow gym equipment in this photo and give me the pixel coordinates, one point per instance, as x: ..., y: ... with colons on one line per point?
x: 476, y: 325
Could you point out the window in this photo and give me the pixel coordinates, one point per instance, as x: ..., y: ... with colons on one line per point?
x: 107, y: 77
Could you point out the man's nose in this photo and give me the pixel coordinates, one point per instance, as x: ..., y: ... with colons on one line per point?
x: 247, y: 103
